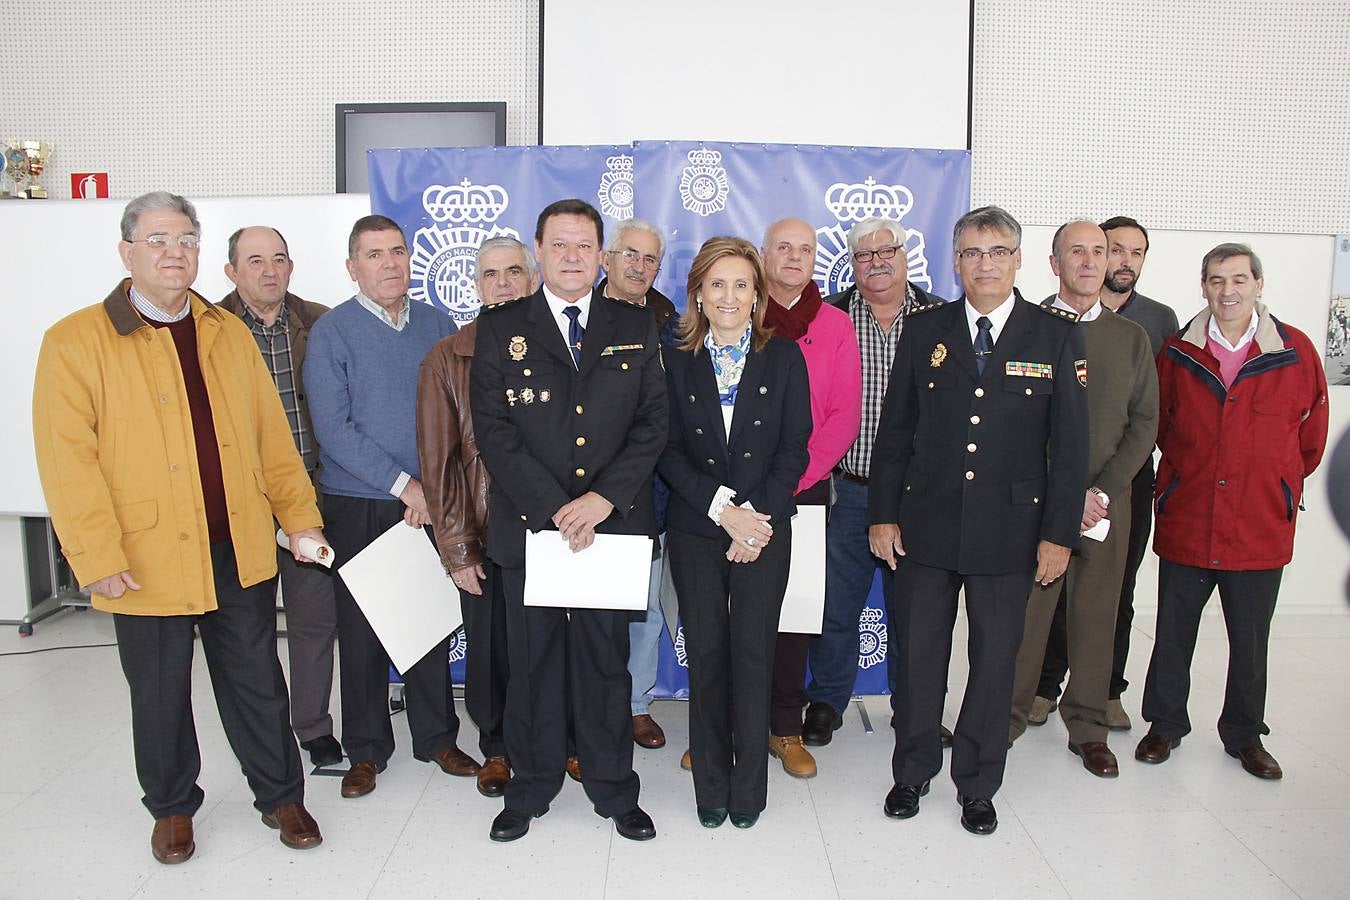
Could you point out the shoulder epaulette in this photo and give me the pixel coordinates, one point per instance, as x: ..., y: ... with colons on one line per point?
x: 1057, y: 312
x: 925, y: 307
x: 633, y: 303
x: 489, y: 307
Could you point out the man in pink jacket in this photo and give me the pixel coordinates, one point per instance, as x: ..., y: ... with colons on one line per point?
x: 833, y: 365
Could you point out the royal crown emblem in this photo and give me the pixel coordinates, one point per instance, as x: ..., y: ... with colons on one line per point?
x: 443, y: 255
x: 616, y: 188
x: 703, y: 183
x: 872, y: 638
x: 851, y: 203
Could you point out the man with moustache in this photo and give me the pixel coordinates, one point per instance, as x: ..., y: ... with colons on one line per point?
x: 1127, y: 243
x: 1122, y: 388
x: 361, y: 369
x: 456, y: 487
x: 826, y: 338
x: 570, y: 415
x: 989, y: 500
x: 260, y: 267
x: 632, y: 261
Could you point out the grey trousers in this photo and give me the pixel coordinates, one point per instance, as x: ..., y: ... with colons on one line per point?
x: 311, y: 629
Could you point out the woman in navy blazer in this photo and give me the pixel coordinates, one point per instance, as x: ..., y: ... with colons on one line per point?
x: 740, y: 417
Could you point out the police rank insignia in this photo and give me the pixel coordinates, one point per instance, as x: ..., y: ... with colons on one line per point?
x: 544, y: 395
x: 613, y: 348
x: 1029, y: 369
x: 516, y: 348
x: 939, y: 356
x: 527, y: 396
x: 510, y: 396
x: 1080, y: 369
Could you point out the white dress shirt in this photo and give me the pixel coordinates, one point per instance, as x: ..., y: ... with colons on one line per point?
x: 1243, y: 341
x: 1088, y: 316
x: 998, y: 317
x: 557, y: 304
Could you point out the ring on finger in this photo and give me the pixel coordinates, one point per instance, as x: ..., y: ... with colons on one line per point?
x: 750, y: 542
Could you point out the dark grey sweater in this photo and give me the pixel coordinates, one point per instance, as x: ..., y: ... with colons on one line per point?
x: 1158, y: 319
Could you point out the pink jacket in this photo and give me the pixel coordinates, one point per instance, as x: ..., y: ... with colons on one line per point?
x: 834, y: 367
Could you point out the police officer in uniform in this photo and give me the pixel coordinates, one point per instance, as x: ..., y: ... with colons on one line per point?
x: 569, y: 407
x: 978, y: 478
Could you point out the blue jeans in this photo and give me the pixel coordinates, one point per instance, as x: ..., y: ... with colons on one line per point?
x: 644, y: 640
x: 849, y: 568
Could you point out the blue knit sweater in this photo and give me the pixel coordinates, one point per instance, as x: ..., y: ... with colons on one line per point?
x: 361, y: 381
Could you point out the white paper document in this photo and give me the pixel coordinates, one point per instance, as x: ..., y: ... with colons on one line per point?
x: 612, y: 573
x: 804, y: 602
x: 1099, y: 531
x: 400, y: 586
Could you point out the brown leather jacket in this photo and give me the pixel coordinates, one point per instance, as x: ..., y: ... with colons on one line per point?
x: 453, y: 477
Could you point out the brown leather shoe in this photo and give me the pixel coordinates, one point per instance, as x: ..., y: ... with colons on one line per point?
x: 171, y: 841
x: 687, y: 761
x: 1097, y: 758
x: 574, y: 768
x: 360, y: 779
x: 453, y: 761
x: 298, y: 829
x: 646, y: 733
x: 1257, y: 761
x: 797, y: 760
x: 1155, y: 748
x: 494, y: 776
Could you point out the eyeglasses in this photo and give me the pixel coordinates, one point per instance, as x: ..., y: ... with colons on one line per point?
x: 865, y: 256
x: 647, y: 261
x: 997, y: 254
x: 162, y: 241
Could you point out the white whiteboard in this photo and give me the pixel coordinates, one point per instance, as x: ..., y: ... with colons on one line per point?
x: 875, y: 73
x: 58, y: 256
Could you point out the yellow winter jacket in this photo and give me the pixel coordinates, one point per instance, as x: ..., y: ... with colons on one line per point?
x: 118, y: 464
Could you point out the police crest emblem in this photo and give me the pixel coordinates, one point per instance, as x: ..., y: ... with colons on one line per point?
x: 939, y: 355
x: 516, y: 348
x: 1080, y: 369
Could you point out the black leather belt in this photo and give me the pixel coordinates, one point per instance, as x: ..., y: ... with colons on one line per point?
x: 849, y: 476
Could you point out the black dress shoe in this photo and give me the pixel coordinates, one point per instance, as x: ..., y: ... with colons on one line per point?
x: 903, y: 800
x: 510, y: 825
x: 635, y: 825
x: 711, y: 817
x: 744, y: 820
x: 946, y: 734
x: 820, y: 725
x: 978, y: 816
x: 323, y: 751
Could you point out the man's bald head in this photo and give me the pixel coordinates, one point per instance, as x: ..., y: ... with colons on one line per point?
x: 789, y: 252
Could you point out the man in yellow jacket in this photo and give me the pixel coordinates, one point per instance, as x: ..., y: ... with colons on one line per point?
x: 164, y: 454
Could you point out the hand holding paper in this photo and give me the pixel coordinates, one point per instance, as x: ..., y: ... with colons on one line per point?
x: 310, y: 549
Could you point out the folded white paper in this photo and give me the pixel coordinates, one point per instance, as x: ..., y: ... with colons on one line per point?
x: 1099, y: 531
x: 612, y: 573
x: 310, y: 549
x: 804, y: 602
x: 404, y: 593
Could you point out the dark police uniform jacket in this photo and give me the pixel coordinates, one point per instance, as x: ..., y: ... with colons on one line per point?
x: 977, y: 469
x: 764, y: 456
x: 549, y: 432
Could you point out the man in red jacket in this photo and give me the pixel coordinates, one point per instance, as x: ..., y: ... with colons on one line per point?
x: 1242, y: 422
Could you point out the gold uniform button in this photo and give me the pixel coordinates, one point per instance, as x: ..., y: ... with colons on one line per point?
x: 974, y: 420
x: 710, y: 462
x: 930, y: 385
x: 746, y: 454
x: 523, y: 519
x: 1028, y: 392
x: 971, y: 448
x: 581, y: 442
x: 757, y: 423
x: 698, y: 431
x: 1035, y: 499
x: 970, y: 476
x: 623, y: 365
x: 580, y: 409
x: 763, y: 389
x: 528, y: 373
x: 979, y: 392
x: 581, y: 473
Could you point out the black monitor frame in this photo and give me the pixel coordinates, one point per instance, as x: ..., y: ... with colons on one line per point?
x: 341, y: 110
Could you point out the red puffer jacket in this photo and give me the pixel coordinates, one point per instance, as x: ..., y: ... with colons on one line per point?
x: 1234, y: 460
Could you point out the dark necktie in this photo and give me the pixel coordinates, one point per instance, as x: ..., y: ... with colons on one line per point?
x: 984, y: 342
x: 574, y: 333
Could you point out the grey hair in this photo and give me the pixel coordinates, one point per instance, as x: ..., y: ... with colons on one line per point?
x: 1228, y: 251
x: 868, y: 227
x: 986, y: 218
x: 493, y: 243
x: 636, y: 225
x: 131, y: 216
x: 232, y: 245
x: 1054, y: 241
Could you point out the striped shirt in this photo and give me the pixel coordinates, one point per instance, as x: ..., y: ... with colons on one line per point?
x: 274, y: 341
x: 878, y: 352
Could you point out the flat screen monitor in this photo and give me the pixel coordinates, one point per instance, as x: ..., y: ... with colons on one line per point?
x: 376, y: 126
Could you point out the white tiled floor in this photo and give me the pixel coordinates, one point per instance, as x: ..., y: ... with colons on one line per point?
x: 71, y: 824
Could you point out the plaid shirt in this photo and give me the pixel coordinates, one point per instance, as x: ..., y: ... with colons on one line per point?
x: 275, y: 343
x: 878, y: 352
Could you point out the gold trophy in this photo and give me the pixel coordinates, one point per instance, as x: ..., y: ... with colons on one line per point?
x: 16, y: 168
x: 37, y: 154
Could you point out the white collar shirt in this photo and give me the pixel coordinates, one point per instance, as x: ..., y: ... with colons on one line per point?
x: 998, y: 317
x: 1088, y: 316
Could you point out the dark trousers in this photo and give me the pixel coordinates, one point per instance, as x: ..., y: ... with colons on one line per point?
x: 924, y: 612
x: 730, y: 613
x: 311, y: 629
x: 557, y: 655
x: 1057, y: 644
x: 789, y: 657
x: 849, y: 569
x: 351, y: 523
x: 1248, y: 600
x: 239, y: 639
x: 486, y: 667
